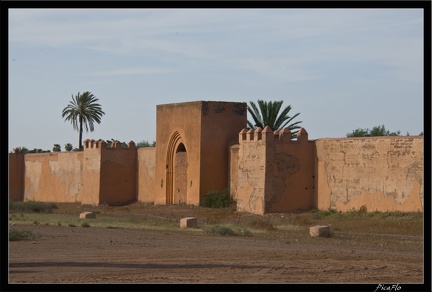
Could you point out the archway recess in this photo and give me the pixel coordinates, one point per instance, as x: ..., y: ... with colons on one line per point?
x: 176, y: 170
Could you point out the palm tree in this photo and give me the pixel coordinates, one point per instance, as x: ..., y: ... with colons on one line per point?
x: 83, y: 110
x: 268, y: 115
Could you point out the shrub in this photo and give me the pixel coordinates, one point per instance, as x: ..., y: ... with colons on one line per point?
x: 217, y: 199
x: 36, y: 207
x: 85, y: 224
x: 68, y: 147
x: 220, y: 230
x: 15, y: 235
x: 56, y: 148
x: 227, y: 231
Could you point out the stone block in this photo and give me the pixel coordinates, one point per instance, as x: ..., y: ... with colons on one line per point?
x: 87, y: 215
x: 320, y: 231
x: 188, y: 222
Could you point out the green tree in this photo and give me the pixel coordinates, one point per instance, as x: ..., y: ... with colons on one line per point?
x: 110, y: 143
x: 375, y: 132
x: 56, y: 148
x: 68, y: 147
x: 146, y: 143
x: 269, y: 114
x: 83, y: 111
x: 21, y: 150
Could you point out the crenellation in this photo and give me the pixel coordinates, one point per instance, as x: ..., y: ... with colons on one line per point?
x: 257, y: 134
x: 102, y: 144
x: 267, y: 134
x: 131, y: 145
x: 250, y: 135
x: 302, y: 135
x: 116, y: 145
x: 285, y: 135
x: 242, y: 135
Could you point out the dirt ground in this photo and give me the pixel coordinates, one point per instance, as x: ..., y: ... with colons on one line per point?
x: 64, y: 254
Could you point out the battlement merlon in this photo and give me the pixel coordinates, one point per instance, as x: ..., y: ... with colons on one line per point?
x: 268, y: 135
x: 302, y: 135
x: 101, y: 144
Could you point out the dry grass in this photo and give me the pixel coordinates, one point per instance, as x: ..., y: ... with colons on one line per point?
x: 139, y: 215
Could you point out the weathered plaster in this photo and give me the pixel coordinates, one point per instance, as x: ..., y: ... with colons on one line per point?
x: 146, y: 174
x: 51, y: 177
x: 389, y: 167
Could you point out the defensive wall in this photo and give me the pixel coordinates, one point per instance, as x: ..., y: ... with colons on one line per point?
x: 203, y: 146
x: 94, y: 176
x: 379, y: 173
x: 271, y: 173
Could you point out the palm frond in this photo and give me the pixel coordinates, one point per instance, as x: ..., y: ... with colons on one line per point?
x: 269, y: 114
x: 83, y: 110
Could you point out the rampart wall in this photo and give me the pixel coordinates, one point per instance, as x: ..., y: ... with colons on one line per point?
x: 270, y: 173
x: 16, y: 176
x: 94, y: 176
x: 379, y: 173
x: 273, y: 173
x: 118, y: 179
x: 53, y: 177
x: 146, y: 179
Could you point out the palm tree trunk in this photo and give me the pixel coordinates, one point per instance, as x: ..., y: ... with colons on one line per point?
x: 80, y: 133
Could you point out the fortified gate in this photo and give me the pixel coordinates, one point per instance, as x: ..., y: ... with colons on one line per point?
x: 192, y: 149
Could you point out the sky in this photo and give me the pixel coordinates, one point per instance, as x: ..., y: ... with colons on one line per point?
x: 341, y: 69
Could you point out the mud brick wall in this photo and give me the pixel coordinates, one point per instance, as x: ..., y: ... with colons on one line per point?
x: 16, y: 176
x: 53, y: 177
x: 118, y: 174
x: 146, y: 182
x: 379, y: 173
x: 273, y: 173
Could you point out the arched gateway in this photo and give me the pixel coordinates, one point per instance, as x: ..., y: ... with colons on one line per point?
x: 176, y: 171
x: 192, y: 148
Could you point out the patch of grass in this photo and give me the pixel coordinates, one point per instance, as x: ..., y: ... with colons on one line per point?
x: 262, y: 224
x: 71, y: 225
x: 217, y: 199
x: 85, y: 224
x: 36, y: 207
x: 15, y: 235
x: 222, y: 230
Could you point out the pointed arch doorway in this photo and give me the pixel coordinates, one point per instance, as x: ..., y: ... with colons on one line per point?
x: 176, y: 171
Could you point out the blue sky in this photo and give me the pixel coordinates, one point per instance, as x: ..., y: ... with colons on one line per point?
x: 342, y: 69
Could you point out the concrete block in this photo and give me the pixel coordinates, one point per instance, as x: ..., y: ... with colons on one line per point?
x: 320, y: 231
x: 87, y: 215
x: 188, y: 222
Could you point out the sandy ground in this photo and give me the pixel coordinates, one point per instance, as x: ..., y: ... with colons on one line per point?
x: 103, y: 255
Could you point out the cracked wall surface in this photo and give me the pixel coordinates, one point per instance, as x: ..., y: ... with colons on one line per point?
x: 380, y: 173
x: 251, y: 178
x: 53, y: 177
